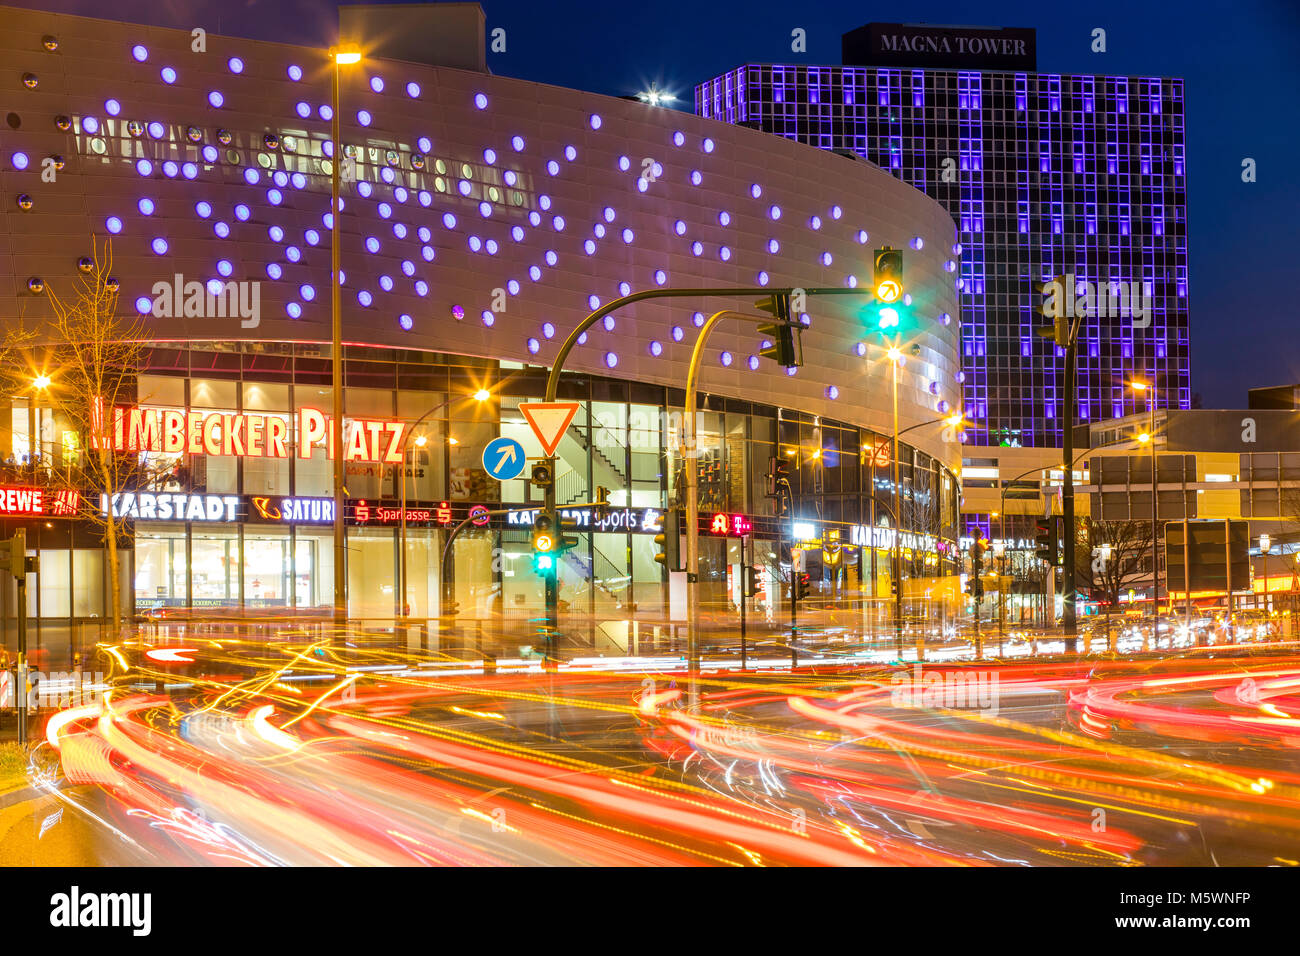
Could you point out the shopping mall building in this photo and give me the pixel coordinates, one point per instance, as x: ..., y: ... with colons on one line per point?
x: 484, y: 217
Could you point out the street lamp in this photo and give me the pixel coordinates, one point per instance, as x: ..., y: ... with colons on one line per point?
x: 338, y: 57
x: 1149, y: 438
x: 39, y: 384
x: 482, y: 395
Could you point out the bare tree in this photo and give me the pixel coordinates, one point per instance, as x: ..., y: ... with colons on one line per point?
x: 1109, y: 555
x: 95, y: 356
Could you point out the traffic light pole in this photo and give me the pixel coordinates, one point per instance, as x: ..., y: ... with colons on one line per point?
x: 692, y: 525
x: 1069, y: 622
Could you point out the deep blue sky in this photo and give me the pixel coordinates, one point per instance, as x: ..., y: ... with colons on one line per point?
x: 1241, y: 61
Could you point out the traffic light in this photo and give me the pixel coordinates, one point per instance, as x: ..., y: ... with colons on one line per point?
x: 784, y: 345
x: 802, y: 586
x: 977, y: 549
x: 888, y: 273
x: 751, y: 581
x: 668, y: 540
x: 542, y: 475
x: 1052, y: 307
x: 546, y: 544
x: 1045, y: 535
x: 13, y: 556
x: 778, y: 483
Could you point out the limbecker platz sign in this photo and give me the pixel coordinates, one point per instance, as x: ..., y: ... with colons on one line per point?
x: 250, y: 434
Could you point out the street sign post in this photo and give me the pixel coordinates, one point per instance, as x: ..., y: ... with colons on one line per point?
x: 503, y: 458
x: 13, y: 559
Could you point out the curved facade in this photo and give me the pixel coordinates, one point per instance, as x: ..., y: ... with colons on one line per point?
x: 483, y: 219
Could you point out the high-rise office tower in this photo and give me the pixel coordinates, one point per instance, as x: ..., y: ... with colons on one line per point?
x: 1045, y: 175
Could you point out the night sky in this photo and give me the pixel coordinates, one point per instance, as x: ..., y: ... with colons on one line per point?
x: 1241, y: 61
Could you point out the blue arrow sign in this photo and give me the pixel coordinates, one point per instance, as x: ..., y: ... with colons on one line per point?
x: 503, y: 458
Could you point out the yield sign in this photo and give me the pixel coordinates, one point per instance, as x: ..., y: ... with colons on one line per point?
x: 549, y: 420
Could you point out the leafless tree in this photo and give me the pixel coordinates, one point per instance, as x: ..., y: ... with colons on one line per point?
x: 1109, y: 555
x: 95, y: 355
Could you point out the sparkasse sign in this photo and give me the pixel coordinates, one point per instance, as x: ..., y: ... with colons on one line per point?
x: 924, y: 45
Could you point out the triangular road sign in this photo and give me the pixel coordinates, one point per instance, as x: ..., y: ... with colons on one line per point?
x: 549, y: 421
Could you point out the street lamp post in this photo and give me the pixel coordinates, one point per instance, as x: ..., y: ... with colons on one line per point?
x: 895, y: 357
x: 1150, y: 438
x: 337, y: 57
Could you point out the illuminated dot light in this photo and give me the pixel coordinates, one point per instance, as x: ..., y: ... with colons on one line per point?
x: 724, y: 254
x: 762, y: 278
x: 678, y: 333
x: 89, y: 124
x: 221, y: 229
x: 836, y: 212
x: 553, y: 168
x: 862, y: 236
x: 512, y: 286
x: 457, y: 312
x: 112, y: 107
x: 534, y: 218
x: 753, y: 363
x: 143, y: 305
x: 399, y: 230
x: 168, y: 75
x: 464, y: 187
x: 774, y: 212
x: 698, y: 319
x: 140, y: 53
x: 377, y: 84
x: 294, y: 310
x: 480, y: 101
x: 273, y: 270
x: 725, y: 359
x: 421, y: 288
x: 488, y: 318
x: 448, y: 221
x: 426, y: 198
x: 642, y: 185
x: 624, y: 289
x: 365, y: 298
x: 292, y: 253
x: 144, y: 167
x: 708, y: 145
x: 386, y: 283
x: 815, y: 222
x: 628, y: 236
x: 425, y: 144
x: 405, y: 321
x: 608, y: 320
x: 295, y: 73
x: 696, y: 178
x: 113, y: 225
x: 589, y: 247
x: 660, y: 277
x: 413, y: 91
x: 791, y: 371
x: 491, y: 246
x: 517, y: 233
x: 485, y: 209
x: 826, y: 258
x: 595, y: 121
x: 773, y: 246
x: 548, y: 330
x: 276, y: 233
x: 475, y: 243
x: 917, y: 242
x: 679, y: 138
x: 372, y: 245
x: 215, y: 99
x: 325, y: 112
x: 210, y: 154
x: 145, y: 206
x: 224, y: 267
x: 516, y: 143
x: 274, y: 197
x: 252, y: 176
x: 656, y: 348
x: 551, y: 257
x: 624, y: 163
x: 235, y: 64
x: 535, y: 273
x: 582, y: 339
x: 189, y: 171
x: 832, y: 391
x: 363, y: 117
x: 159, y: 246
x: 611, y: 359
x: 861, y: 349
x: 593, y: 303
x: 558, y: 223
x: 724, y: 218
